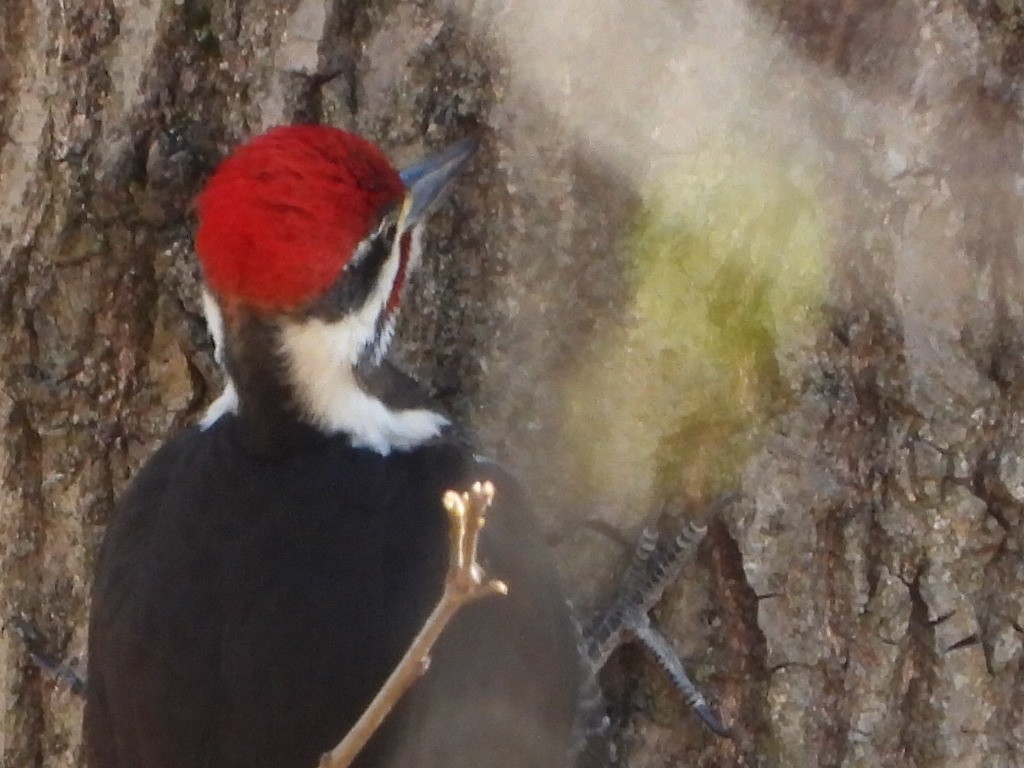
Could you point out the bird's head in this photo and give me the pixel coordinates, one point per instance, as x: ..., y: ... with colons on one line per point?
x: 307, y: 235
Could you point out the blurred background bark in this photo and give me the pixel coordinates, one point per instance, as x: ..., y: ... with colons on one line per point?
x: 863, y: 605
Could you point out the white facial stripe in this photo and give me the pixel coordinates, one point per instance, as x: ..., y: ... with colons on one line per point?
x: 227, y: 402
x: 386, y: 330
x: 362, y: 249
x: 354, y: 332
x: 321, y: 357
x: 384, y: 336
x: 215, y: 325
x: 415, y: 248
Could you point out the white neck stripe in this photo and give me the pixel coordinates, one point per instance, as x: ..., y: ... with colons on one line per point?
x: 320, y: 358
x: 318, y: 355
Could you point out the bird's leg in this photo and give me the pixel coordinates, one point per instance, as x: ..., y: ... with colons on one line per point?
x: 62, y: 673
x: 656, y: 563
x: 465, y: 582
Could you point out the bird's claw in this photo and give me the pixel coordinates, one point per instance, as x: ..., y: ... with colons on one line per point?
x: 43, y: 661
x: 657, y: 561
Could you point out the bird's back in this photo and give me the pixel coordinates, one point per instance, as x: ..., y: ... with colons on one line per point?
x: 247, y: 608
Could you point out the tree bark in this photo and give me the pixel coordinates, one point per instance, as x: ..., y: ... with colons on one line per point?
x: 862, y: 605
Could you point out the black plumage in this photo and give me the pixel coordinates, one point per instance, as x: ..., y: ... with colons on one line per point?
x: 248, y: 605
x: 265, y: 572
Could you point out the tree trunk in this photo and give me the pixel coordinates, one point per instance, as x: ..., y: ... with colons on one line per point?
x: 862, y: 604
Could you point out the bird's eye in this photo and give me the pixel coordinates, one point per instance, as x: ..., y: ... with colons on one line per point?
x: 387, y: 230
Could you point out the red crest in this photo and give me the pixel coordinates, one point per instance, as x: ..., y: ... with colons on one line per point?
x: 281, y: 217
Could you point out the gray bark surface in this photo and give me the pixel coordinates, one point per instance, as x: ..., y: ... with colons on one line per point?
x: 862, y: 605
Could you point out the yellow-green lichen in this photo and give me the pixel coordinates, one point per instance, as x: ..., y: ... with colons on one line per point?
x: 728, y: 275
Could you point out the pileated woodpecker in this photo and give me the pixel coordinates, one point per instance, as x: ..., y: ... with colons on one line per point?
x: 268, y: 567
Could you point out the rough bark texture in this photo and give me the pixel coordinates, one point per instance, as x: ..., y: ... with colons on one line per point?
x: 863, y: 605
